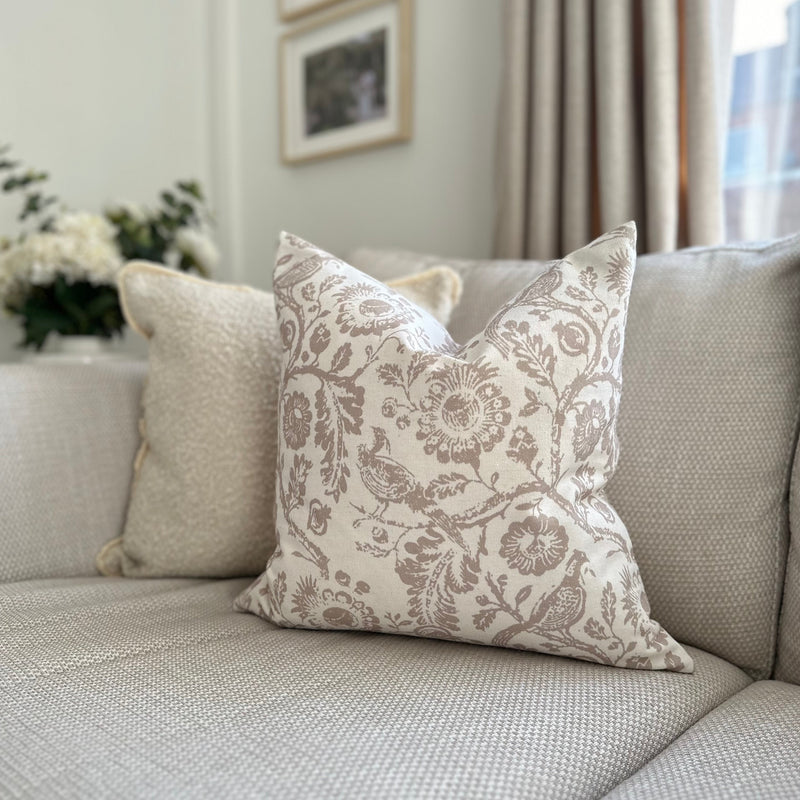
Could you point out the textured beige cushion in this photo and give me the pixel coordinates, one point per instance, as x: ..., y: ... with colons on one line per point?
x: 453, y: 492
x: 711, y: 394
x: 156, y: 688
x: 203, y: 497
x: 68, y: 435
x: 749, y: 747
x: 437, y: 290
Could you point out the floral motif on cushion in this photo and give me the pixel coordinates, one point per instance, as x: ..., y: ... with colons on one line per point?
x: 456, y: 491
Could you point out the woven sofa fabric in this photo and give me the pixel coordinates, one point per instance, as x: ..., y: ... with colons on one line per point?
x: 708, y: 416
x: 787, y: 665
x: 68, y: 438
x: 748, y: 747
x: 156, y: 688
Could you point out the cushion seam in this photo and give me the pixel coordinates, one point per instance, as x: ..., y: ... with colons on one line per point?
x: 779, y: 592
x: 129, y: 656
x: 88, y: 612
x: 685, y: 731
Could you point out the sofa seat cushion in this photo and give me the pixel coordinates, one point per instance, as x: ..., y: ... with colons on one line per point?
x: 144, y: 688
x: 748, y: 747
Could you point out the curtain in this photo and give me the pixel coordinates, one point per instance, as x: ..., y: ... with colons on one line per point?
x: 611, y: 110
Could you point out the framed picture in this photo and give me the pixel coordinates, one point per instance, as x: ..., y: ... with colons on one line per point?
x: 346, y: 81
x: 292, y: 9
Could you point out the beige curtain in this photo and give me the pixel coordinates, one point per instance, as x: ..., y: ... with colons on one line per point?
x: 611, y: 111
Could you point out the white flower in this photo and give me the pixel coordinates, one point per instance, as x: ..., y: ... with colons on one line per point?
x: 85, y: 227
x: 81, y: 247
x: 197, y: 245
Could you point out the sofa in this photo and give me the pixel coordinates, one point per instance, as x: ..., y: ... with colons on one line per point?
x: 131, y: 687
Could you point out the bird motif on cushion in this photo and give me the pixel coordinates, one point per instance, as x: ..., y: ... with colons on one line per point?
x: 390, y: 482
x: 558, y: 610
x: 387, y: 480
x: 543, y: 286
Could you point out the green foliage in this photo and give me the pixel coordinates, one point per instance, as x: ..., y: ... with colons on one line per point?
x: 27, y: 182
x: 79, y: 307
x: 71, y: 309
x: 151, y: 237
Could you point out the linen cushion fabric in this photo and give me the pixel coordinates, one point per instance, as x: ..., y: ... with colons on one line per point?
x: 747, y: 747
x: 432, y: 490
x: 184, y: 697
x: 708, y: 421
x: 67, y: 441
x: 202, y: 502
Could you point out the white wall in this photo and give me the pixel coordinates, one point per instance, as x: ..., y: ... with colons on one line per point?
x: 117, y: 99
x: 110, y: 97
x: 434, y: 193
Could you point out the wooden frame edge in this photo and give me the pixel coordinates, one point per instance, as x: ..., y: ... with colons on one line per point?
x: 290, y: 16
x: 405, y: 27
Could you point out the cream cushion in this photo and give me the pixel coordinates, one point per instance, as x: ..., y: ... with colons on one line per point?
x: 457, y: 492
x: 202, y: 501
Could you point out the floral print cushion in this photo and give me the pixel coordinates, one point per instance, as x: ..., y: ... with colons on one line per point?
x: 455, y: 491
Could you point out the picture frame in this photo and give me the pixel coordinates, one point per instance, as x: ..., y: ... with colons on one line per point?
x: 293, y: 9
x: 345, y: 81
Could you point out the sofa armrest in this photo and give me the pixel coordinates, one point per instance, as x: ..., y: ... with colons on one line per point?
x: 68, y: 439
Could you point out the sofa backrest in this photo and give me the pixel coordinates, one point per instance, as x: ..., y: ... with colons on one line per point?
x: 68, y: 438
x: 708, y: 423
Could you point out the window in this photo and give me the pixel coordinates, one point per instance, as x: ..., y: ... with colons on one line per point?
x: 746, y: 153
x: 762, y: 163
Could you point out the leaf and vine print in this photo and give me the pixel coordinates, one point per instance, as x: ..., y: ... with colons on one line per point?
x: 457, y: 492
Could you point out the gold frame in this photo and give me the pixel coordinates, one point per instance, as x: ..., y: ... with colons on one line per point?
x: 404, y: 73
x: 311, y: 8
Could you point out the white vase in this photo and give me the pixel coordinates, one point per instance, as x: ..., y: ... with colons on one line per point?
x: 74, y: 350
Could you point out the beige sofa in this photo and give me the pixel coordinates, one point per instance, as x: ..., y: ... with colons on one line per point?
x: 157, y: 688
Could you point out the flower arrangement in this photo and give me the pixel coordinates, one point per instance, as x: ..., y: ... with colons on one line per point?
x: 60, y: 275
